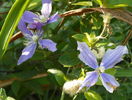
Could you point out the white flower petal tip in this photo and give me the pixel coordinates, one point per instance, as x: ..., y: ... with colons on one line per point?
x: 27, y: 53
x: 109, y: 82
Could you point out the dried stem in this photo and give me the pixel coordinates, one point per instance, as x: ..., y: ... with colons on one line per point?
x: 1, y: 13
x: 16, y: 36
x: 117, y: 13
x: 4, y: 83
x: 127, y: 38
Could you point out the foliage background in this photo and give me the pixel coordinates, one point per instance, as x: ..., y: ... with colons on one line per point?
x: 42, y: 77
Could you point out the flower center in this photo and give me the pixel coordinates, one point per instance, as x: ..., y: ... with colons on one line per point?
x: 35, y: 38
x: 100, y: 69
x: 41, y: 19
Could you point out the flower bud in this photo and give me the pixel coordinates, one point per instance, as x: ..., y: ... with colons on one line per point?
x: 99, y: 53
x: 71, y: 87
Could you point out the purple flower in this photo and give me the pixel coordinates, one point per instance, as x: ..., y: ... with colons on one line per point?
x: 110, y: 59
x: 34, y: 38
x: 36, y: 21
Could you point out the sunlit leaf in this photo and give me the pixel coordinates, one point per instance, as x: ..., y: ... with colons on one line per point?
x: 59, y: 75
x: 116, y: 3
x: 10, y: 98
x: 34, y: 4
x: 2, y: 94
x: 10, y: 23
x: 83, y: 3
x: 91, y: 95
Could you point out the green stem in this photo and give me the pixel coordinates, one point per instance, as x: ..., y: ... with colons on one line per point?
x: 62, y: 95
x: 100, y: 36
x: 127, y: 38
x: 74, y: 97
x: 103, y: 31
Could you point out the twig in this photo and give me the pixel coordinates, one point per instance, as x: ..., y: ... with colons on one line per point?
x: 127, y: 38
x: 117, y: 13
x: 16, y: 36
x: 9, y: 71
x: 1, y: 13
x: 4, y: 83
x: 60, y: 24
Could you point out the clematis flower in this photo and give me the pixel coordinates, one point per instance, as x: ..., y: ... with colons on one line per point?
x: 36, y: 21
x: 34, y: 38
x: 110, y: 59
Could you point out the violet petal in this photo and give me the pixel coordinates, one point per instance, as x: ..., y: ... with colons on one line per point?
x: 46, y: 8
x: 35, y: 25
x: 86, y: 55
x: 27, y: 53
x: 109, y: 82
x: 90, y: 79
x: 112, y: 57
x: 49, y: 44
x: 53, y: 18
x: 23, y: 28
x: 29, y: 17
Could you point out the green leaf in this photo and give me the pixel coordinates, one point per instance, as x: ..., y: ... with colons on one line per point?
x: 16, y: 87
x: 90, y: 39
x: 59, y: 76
x: 3, y: 95
x: 33, y: 85
x: 69, y: 59
x: 117, y: 3
x: 10, y: 23
x: 34, y: 4
x: 10, y: 98
x: 99, y: 2
x: 91, y: 95
x: 83, y: 3
x: 80, y: 37
x: 111, y: 71
x: 124, y: 73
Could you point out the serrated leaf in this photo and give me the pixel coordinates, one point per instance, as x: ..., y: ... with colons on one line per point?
x: 10, y: 23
